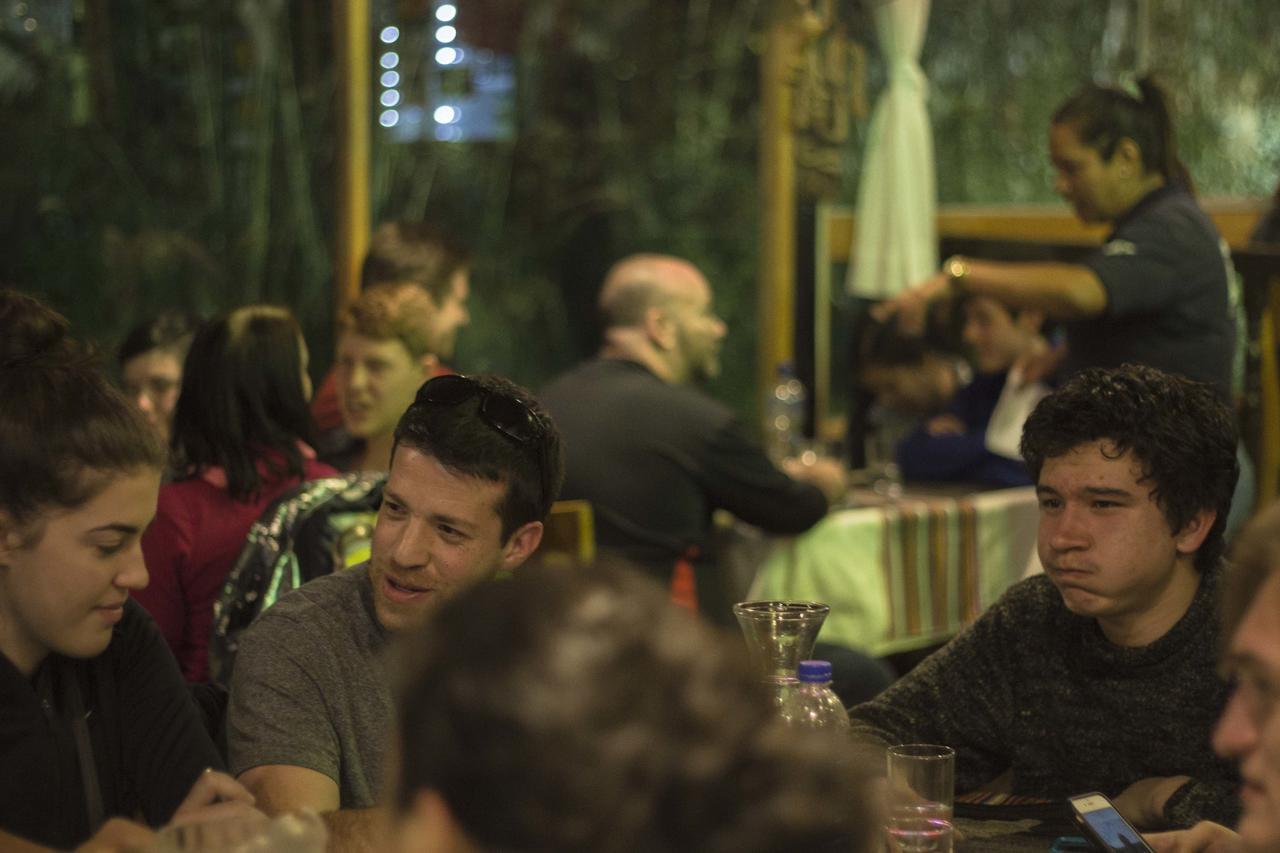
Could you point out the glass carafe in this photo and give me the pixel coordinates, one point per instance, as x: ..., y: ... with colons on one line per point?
x: 779, y: 635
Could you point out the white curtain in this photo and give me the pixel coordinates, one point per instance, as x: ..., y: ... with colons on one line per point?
x: 895, y: 244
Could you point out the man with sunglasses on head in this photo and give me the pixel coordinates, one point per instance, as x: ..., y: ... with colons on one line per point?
x: 475, y: 467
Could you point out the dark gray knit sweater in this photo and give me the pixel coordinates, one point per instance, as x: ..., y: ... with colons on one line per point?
x: 1032, y: 687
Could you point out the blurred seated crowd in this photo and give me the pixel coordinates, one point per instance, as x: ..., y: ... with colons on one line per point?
x: 226, y: 600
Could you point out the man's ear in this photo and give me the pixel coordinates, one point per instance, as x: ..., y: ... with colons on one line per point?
x: 1189, y: 539
x: 429, y: 363
x: 428, y: 826
x: 658, y: 328
x: 521, y: 545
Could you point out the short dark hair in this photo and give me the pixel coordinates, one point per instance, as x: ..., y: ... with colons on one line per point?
x: 1182, y: 435
x: 60, y: 419
x: 242, y: 401
x: 881, y: 343
x: 1104, y: 115
x: 461, y: 440
x: 575, y: 709
x: 171, y: 331
x: 413, y: 252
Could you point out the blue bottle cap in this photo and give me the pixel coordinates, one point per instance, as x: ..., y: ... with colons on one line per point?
x: 814, y: 671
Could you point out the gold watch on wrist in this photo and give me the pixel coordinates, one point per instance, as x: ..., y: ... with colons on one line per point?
x: 957, y: 270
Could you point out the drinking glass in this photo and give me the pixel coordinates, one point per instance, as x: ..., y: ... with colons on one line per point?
x: 779, y: 635
x: 922, y: 780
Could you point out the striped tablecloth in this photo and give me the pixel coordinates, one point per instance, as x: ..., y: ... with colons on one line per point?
x: 909, y: 574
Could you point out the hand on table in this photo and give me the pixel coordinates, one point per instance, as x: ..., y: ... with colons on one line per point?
x: 822, y: 471
x: 1204, y: 837
x: 911, y: 306
x: 1142, y: 803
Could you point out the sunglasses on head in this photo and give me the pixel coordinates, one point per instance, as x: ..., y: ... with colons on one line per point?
x: 508, y: 415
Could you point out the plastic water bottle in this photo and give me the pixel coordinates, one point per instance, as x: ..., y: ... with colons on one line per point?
x: 784, y: 415
x: 814, y: 704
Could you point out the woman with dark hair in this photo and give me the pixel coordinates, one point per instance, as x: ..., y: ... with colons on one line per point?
x: 239, y: 440
x: 150, y: 358
x: 95, y: 721
x: 1156, y: 292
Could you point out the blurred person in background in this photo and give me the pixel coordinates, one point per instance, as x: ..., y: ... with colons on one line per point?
x: 654, y: 453
x: 574, y: 709
x: 97, y: 727
x: 417, y: 254
x: 240, y: 433
x: 901, y: 381
x: 1156, y: 292
x: 961, y: 443
x: 383, y: 355
x: 150, y: 359
x: 1159, y: 291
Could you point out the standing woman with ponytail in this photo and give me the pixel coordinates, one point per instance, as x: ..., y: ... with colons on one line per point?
x: 240, y: 432
x: 1156, y: 291
x: 95, y: 720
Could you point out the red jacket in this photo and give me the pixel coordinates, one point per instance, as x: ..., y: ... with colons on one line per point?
x: 190, y: 547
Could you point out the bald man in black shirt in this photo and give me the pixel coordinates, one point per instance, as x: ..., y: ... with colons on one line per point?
x: 655, y: 455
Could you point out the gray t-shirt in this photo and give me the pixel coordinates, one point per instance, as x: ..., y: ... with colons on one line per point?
x: 310, y: 687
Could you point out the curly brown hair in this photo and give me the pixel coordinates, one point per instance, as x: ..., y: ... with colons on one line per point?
x: 1181, y: 433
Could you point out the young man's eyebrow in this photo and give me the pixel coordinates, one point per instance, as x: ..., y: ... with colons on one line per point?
x: 1108, y: 491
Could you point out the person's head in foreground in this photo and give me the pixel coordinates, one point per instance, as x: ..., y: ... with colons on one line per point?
x: 658, y: 309
x: 1134, y: 469
x: 1249, y: 730
x: 151, y: 358
x: 244, y: 399
x: 383, y: 356
x: 574, y: 709
x: 413, y: 253
x: 79, y: 474
x: 1110, y: 148
x: 475, y: 468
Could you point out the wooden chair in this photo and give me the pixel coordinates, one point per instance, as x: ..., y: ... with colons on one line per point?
x: 569, y: 535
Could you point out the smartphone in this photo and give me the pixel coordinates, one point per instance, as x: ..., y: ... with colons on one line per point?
x: 1104, y: 825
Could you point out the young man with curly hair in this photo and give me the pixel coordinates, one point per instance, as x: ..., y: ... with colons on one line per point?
x: 1099, y: 674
